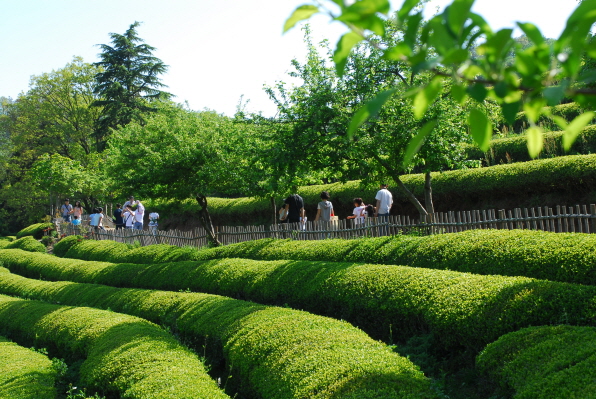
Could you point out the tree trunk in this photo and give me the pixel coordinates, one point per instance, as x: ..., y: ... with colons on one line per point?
x: 274, y: 209
x: 411, y: 197
x: 205, y: 219
x: 428, y: 194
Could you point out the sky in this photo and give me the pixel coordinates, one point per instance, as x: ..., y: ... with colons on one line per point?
x: 217, y: 50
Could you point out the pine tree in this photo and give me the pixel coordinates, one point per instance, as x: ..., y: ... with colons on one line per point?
x: 128, y: 83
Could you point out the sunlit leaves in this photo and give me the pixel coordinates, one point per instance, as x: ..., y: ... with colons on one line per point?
x: 532, y: 32
x: 457, y: 14
x: 426, y: 96
x: 370, y: 110
x: 481, y: 129
x: 416, y: 142
x: 535, y: 141
x: 342, y: 51
x: 575, y: 127
x: 301, y: 13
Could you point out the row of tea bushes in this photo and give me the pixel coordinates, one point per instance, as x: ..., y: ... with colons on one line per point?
x: 515, y: 149
x: 275, y: 352
x: 123, y: 355
x: 565, y: 257
x: 26, y: 243
x: 544, y: 362
x: 35, y: 230
x: 461, y: 309
x: 24, y: 373
x: 574, y: 175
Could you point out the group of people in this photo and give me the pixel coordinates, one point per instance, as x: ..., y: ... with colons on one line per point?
x: 130, y: 215
x: 293, y: 208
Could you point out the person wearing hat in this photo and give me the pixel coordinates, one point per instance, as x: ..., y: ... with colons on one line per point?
x: 384, y: 202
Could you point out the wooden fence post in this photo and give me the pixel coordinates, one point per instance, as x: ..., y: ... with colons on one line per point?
x: 500, y: 219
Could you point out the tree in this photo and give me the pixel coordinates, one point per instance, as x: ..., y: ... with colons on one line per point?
x: 128, y: 83
x: 320, y: 109
x: 184, y: 154
x: 445, y: 47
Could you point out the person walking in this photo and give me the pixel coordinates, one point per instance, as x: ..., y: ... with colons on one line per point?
x: 384, y: 202
x: 139, y: 215
x: 66, y: 210
x: 294, y: 205
x: 118, y: 221
x: 324, y: 208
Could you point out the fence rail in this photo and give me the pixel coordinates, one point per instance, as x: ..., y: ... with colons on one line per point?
x: 579, y: 219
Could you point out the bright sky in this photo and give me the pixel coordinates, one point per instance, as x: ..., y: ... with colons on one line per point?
x: 217, y: 50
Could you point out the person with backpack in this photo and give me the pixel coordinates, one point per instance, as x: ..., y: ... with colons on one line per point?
x: 66, y: 210
x: 294, y: 206
x: 129, y: 217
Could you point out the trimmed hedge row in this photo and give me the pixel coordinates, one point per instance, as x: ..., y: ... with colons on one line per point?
x: 25, y: 374
x: 277, y: 352
x: 564, y: 257
x: 574, y: 175
x: 26, y: 243
x: 124, y: 355
x: 544, y: 362
x: 515, y: 149
x: 35, y: 230
x: 462, y: 310
x: 567, y: 111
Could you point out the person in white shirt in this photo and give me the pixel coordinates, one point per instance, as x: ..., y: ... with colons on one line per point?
x: 139, y: 214
x: 129, y: 217
x: 153, y: 217
x: 359, y: 211
x: 384, y: 202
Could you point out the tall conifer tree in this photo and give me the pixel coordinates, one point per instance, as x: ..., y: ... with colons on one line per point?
x: 128, y: 83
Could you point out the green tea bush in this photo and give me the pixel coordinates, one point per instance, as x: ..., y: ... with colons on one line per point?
x: 24, y: 373
x: 35, y: 230
x: 567, y: 111
x: 557, y: 362
x: 275, y: 352
x: 460, y: 309
x: 574, y: 175
x: 565, y: 257
x: 123, y: 355
x: 62, y: 246
x: 26, y: 243
x: 515, y: 149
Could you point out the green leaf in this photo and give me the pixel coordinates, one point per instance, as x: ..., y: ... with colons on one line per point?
x: 369, y: 110
x: 406, y: 8
x: 458, y: 92
x: 342, y: 51
x: 416, y: 142
x: 532, y: 32
x: 398, y: 52
x: 478, y: 92
x: 510, y: 111
x: 554, y: 94
x: 480, y: 128
x: 575, y: 127
x: 534, y: 108
x: 455, y: 56
x: 534, y: 136
x: 426, y: 96
x: 300, y: 14
x: 457, y: 14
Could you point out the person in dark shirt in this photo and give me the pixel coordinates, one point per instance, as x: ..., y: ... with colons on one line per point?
x: 118, y: 221
x: 294, y: 204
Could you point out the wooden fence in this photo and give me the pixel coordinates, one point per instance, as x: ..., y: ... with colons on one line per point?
x: 579, y: 219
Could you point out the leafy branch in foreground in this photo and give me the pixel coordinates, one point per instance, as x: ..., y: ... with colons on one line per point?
x: 458, y: 47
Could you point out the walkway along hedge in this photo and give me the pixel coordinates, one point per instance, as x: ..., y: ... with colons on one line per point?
x: 565, y: 257
x: 544, y: 362
x: 25, y: 374
x: 572, y: 176
x: 274, y: 352
x: 123, y: 355
x: 461, y: 309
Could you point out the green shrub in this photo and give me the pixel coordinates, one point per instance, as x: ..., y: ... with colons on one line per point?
x: 35, y: 230
x: 62, y: 246
x: 515, y: 149
x: 573, y: 175
x: 461, y: 309
x: 565, y: 257
x: 567, y: 111
x: 275, y: 352
x: 123, y: 355
x: 25, y: 374
x: 26, y: 243
x: 544, y: 362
